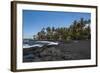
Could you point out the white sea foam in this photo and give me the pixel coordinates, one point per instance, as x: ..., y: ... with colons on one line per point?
x: 53, y: 43
x: 40, y: 44
x: 35, y: 45
x: 45, y: 42
x: 48, y: 42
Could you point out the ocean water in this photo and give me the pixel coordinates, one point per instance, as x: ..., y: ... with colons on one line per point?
x: 32, y: 43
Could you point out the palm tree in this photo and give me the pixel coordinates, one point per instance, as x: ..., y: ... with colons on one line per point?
x: 48, y: 35
x: 43, y: 34
x: 76, y: 31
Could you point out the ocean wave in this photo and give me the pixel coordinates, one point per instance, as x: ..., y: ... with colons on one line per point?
x: 40, y: 44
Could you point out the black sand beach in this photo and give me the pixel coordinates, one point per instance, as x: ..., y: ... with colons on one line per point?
x: 72, y: 50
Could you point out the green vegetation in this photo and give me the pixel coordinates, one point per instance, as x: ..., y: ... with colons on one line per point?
x: 78, y: 30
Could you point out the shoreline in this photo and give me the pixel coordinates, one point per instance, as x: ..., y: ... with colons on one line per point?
x: 72, y: 50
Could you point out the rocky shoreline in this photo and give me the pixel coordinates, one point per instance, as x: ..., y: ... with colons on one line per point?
x: 74, y: 50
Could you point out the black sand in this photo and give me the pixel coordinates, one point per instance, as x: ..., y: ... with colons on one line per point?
x: 72, y: 50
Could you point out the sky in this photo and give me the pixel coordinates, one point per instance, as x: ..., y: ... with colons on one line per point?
x: 34, y: 21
